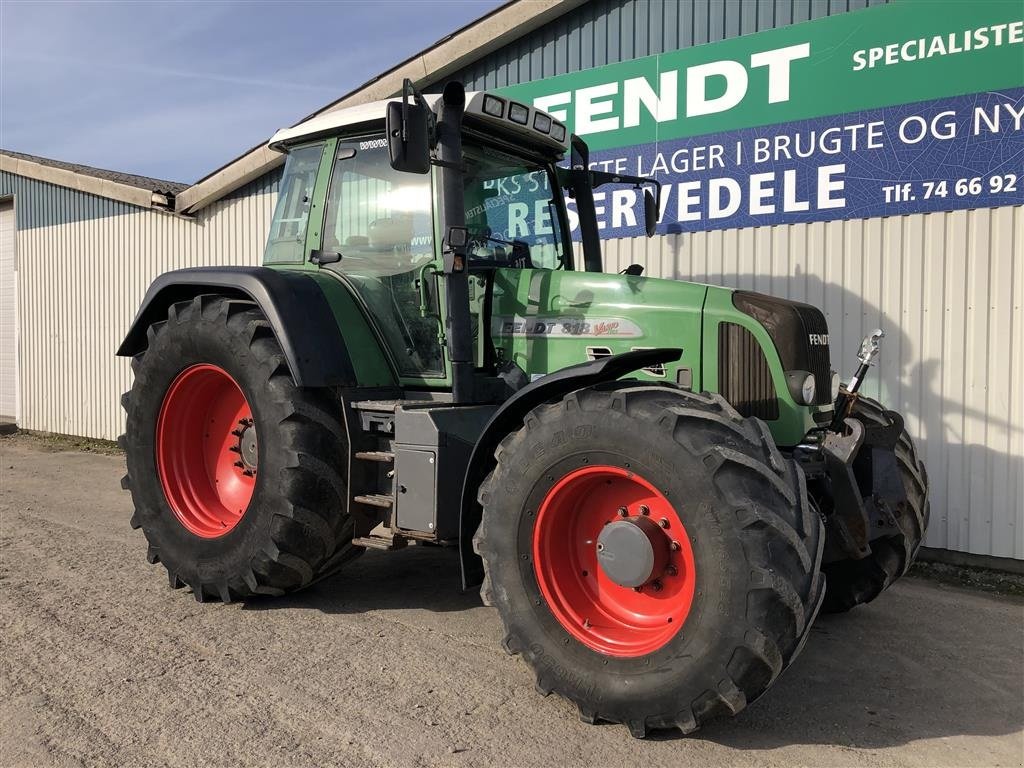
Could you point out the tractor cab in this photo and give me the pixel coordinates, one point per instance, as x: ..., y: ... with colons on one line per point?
x: 353, y: 203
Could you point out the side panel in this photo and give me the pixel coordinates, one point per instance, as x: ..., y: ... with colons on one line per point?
x: 546, y: 320
x: 370, y: 364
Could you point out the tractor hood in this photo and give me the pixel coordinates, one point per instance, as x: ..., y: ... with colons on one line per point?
x: 737, y: 343
x: 545, y: 320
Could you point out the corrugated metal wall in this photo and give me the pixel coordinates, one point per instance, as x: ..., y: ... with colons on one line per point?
x: 607, y: 31
x: 81, y: 282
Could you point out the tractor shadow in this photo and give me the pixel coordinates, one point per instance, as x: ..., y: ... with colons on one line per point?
x: 977, y: 499
x: 422, y: 577
x: 911, y: 666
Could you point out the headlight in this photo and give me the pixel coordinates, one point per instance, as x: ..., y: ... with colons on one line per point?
x: 493, y: 106
x: 518, y: 113
x: 802, y: 386
x: 807, y: 389
x: 835, y: 386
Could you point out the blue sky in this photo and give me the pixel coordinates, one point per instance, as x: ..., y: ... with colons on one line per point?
x: 175, y: 89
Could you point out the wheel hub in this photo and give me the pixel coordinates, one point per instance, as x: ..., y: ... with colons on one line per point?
x: 248, y: 447
x: 633, y: 552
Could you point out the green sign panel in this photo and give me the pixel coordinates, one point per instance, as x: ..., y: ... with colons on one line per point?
x: 908, y: 51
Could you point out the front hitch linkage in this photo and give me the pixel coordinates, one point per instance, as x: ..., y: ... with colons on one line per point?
x: 869, y: 349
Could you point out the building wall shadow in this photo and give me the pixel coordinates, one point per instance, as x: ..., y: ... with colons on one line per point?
x: 976, y: 487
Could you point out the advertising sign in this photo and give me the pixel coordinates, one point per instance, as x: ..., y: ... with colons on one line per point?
x: 909, y: 107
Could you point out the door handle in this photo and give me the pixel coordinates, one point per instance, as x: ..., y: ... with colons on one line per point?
x: 324, y: 257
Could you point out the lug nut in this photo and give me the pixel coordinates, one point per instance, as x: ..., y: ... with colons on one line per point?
x: 644, y: 509
x: 674, y: 546
x: 623, y: 512
x: 663, y: 522
x: 656, y: 586
x: 671, y: 571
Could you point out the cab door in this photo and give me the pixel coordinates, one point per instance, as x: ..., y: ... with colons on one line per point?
x: 381, y: 223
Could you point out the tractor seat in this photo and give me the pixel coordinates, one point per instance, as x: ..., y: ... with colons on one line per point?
x: 391, y: 234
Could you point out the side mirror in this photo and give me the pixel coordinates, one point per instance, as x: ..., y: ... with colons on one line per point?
x: 650, y: 212
x: 409, y: 137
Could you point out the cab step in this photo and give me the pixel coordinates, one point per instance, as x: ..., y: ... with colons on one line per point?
x: 380, y: 542
x: 376, y: 500
x: 385, y: 457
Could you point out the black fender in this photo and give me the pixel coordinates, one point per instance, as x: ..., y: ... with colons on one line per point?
x: 293, y: 303
x: 510, y: 417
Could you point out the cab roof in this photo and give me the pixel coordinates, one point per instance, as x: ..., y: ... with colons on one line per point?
x: 528, y: 123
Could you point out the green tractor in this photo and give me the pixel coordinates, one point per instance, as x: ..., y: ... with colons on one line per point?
x: 651, y: 480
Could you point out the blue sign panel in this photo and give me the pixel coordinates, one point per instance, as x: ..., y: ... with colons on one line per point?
x: 952, y: 153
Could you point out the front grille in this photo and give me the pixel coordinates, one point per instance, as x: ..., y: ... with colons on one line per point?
x: 818, y: 360
x: 791, y: 326
x: 744, y: 378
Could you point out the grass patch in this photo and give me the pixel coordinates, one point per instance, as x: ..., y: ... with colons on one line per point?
x: 52, y: 443
x: 968, y: 577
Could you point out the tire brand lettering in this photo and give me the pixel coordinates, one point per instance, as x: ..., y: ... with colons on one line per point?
x: 581, y: 682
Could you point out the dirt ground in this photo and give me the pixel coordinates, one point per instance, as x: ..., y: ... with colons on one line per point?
x: 388, y: 664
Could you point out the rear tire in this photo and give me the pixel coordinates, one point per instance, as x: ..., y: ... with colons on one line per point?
x: 854, y: 582
x: 290, y: 527
x: 756, y: 553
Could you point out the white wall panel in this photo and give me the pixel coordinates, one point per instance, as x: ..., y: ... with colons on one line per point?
x: 8, y: 314
x: 80, y: 285
x: 948, y: 289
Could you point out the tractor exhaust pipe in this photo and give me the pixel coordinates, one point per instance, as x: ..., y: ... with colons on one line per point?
x: 458, y: 325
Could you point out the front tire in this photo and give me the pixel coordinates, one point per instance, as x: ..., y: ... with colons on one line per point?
x: 854, y: 582
x: 734, y: 601
x: 236, y: 474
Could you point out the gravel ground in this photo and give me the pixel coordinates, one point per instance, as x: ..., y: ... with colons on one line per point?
x: 388, y: 664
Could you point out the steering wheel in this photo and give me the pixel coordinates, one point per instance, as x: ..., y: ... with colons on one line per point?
x: 520, y: 251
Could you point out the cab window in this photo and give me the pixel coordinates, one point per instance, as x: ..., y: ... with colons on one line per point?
x: 287, y: 241
x: 511, y: 211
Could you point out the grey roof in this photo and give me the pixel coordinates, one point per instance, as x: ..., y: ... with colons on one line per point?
x: 131, y: 179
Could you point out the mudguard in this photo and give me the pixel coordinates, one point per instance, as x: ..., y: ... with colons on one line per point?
x: 293, y: 303
x: 510, y: 416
